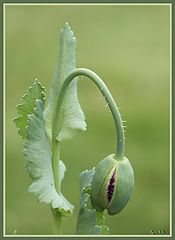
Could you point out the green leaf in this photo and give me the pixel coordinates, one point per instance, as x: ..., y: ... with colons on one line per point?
x: 73, y: 119
x: 26, y: 107
x: 38, y: 155
x: 89, y: 220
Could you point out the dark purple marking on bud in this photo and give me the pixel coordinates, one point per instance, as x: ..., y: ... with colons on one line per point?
x: 111, y: 185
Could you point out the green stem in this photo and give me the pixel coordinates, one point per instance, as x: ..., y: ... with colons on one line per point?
x: 109, y: 99
x: 57, y: 218
x: 57, y: 222
x: 55, y: 162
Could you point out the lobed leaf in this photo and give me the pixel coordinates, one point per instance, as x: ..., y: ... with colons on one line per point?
x: 73, y: 119
x: 37, y: 150
x: 38, y: 155
x: 89, y: 220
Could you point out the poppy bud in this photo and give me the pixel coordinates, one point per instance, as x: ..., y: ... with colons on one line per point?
x: 112, y: 184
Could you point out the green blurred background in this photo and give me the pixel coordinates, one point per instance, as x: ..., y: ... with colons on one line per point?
x: 128, y: 46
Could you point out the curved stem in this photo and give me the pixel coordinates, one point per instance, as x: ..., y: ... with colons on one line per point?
x: 109, y: 99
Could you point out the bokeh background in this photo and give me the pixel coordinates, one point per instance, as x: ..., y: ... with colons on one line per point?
x: 128, y: 46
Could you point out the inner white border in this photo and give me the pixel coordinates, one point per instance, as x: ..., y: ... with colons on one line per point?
x: 4, y: 176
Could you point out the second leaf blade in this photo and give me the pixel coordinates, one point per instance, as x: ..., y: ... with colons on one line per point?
x: 73, y: 119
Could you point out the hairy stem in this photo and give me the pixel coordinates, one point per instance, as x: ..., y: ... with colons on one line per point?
x: 108, y: 97
x: 57, y: 126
